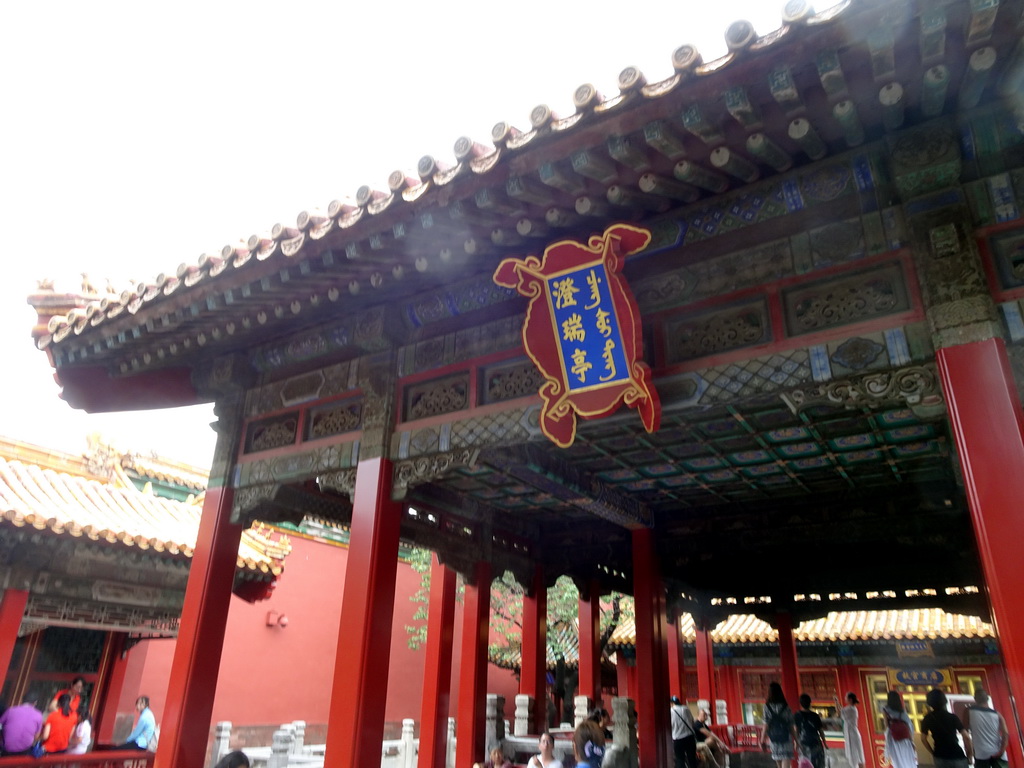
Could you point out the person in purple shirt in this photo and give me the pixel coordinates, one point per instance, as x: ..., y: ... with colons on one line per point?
x: 21, y: 726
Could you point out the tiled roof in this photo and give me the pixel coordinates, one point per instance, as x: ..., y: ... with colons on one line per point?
x: 928, y: 623
x: 851, y: 626
x: 72, y: 501
x: 541, y: 193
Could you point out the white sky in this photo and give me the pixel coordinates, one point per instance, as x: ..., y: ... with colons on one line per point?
x: 139, y: 135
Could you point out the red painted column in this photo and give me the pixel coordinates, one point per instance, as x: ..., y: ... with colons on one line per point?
x: 590, y: 637
x: 12, y: 609
x: 676, y: 668
x: 787, y: 659
x: 533, y: 678
x: 985, y: 414
x: 622, y: 676
x: 185, y: 724
x: 361, y: 665
x: 104, y: 711
x: 438, y: 668
x: 707, y: 686
x: 469, y: 723
x: 652, y: 697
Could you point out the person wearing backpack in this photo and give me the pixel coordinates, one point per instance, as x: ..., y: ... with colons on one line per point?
x: 779, y: 731
x: 810, y: 733
x: 899, y: 733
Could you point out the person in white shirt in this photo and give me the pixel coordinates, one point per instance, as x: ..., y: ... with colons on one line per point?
x: 81, y: 736
x: 988, y: 732
x: 546, y: 758
x: 684, y: 735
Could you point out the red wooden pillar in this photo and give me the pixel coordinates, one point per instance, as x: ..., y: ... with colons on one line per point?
x: 12, y: 609
x: 622, y: 676
x: 787, y: 659
x: 652, y: 696
x: 438, y: 669
x: 104, y: 710
x: 469, y: 725
x: 590, y: 637
x: 676, y: 667
x: 985, y: 413
x: 361, y: 665
x: 707, y: 686
x: 533, y: 678
x: 185, y: 724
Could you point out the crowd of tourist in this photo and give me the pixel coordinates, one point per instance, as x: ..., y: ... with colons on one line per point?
x: 66, y: 725
x: 979, y: 738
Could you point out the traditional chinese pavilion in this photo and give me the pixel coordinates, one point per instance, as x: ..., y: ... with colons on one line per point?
x: 811, y: 250
x: 94, y: 558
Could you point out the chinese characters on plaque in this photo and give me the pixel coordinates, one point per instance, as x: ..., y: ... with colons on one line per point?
x: 582, y: 330
x: 588, y: 330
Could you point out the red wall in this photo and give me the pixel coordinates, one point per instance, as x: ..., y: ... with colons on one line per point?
x: 274, y: 675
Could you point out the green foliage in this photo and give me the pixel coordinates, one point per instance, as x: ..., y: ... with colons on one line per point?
x: 507, y: 612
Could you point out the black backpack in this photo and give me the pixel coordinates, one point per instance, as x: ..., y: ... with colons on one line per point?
x: 778, y: 726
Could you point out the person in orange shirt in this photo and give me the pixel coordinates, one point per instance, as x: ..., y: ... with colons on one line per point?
x: 75, y: 692
x: 58, y: 726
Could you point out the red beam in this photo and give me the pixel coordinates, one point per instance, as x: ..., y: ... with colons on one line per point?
x: 590, y: 638
x: 101, y: 759
x: 707, y: 686
x: 787, y: 659
x: 438, y: 670
x: 533, y: 679
x: 652, y: 696
x: 676, y: 667
x: 185, y: 725
x: 364, y: 637
x: 476, y: 604
x: 12, y: 609
x: 985, y: 413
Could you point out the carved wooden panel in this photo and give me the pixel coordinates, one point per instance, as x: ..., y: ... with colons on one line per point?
x: 509, y: 380
x: 436, y: 397
x: 845, y: 300
x: 276, y: 432
x: 716, y: 331
x: 334, y: 419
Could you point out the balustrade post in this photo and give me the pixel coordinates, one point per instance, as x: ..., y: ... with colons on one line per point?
x: 494, y: 726
x: 221, y: 739
x: 625, y: 752
x: 299, y: 732
x: 280, y: 749
x: 449, y: 759
x: 408, y: 743
x: 582, y: 706
x: 524, y: 714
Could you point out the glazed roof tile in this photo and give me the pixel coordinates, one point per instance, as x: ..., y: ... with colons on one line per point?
x: 509, y: 173
x: 929, y: 623
x: 745, y: 628
x: 74, y: 503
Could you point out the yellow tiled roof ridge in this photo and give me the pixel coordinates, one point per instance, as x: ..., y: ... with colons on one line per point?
x: 928, y: 623
x: 69, y: 503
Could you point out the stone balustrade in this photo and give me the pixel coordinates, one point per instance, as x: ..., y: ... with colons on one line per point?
x: 288, y: 747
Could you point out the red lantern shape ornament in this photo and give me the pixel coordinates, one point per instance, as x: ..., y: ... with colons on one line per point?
x: 582, y: 330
